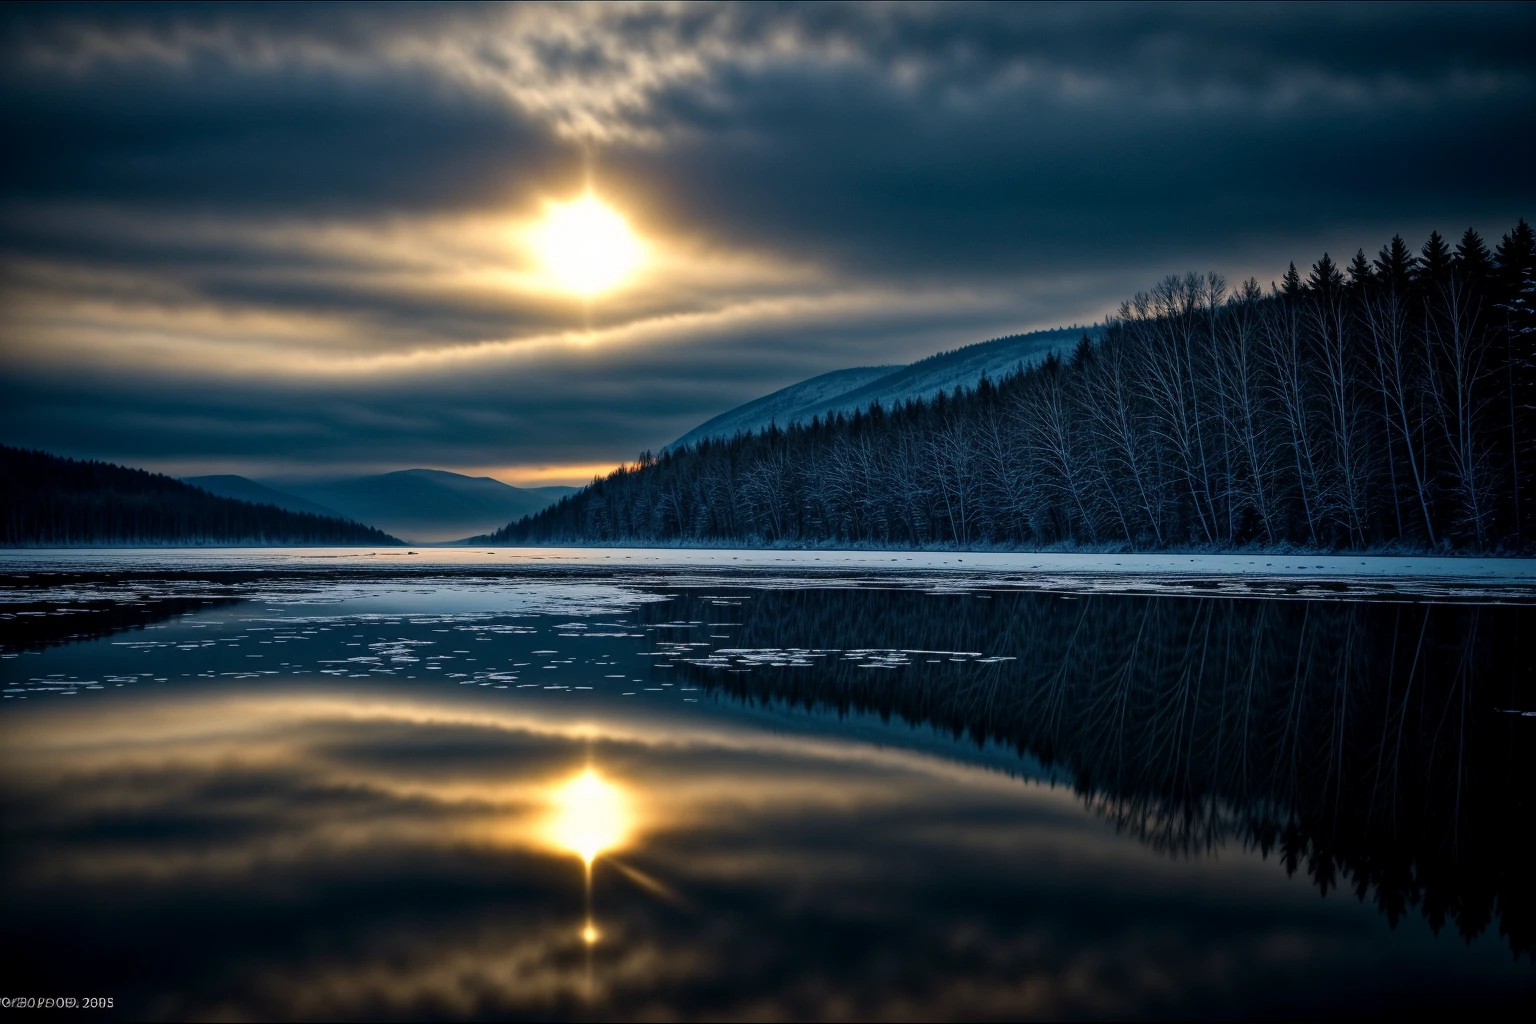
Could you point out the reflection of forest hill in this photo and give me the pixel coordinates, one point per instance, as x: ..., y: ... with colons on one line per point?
x: 1383, y: 402
x: 34, y: 626
x: 1363, y: 742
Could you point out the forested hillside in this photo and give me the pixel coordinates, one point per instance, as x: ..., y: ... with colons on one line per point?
x: 1386, y: 403
x: 49, y: 501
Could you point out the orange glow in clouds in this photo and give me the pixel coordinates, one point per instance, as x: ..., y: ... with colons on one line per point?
x: 574, y: 475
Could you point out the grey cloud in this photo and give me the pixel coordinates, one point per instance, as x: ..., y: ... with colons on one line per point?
x: 581, y: 407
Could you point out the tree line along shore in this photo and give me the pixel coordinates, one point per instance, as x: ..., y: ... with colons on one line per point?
x: 1386, y: 403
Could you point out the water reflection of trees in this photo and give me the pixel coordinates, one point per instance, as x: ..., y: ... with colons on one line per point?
x: 1366, y: 744
x: 36, y: 625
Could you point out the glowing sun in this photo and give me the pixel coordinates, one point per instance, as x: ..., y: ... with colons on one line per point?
x: 586, y: 246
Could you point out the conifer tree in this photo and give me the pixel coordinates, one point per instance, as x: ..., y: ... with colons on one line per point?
x: 1397, y: 264
x: 1435, y: 260
x: 1360, y: 273
x: 1472, y: 260
x: 1290, y: 284
x: 1325, y: 278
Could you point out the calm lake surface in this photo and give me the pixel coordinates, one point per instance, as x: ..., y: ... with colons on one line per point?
x: 352, y: 791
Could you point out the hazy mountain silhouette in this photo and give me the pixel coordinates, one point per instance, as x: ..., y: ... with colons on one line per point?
x: 424, y: 505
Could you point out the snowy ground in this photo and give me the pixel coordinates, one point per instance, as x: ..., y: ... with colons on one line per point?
x: 1244, y: 574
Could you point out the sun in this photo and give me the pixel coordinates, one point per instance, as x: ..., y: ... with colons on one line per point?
x: 586, y: 246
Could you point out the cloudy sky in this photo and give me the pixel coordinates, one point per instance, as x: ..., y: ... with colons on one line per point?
x: 306, y: 239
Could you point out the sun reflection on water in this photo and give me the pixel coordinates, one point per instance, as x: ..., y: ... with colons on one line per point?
x: 592, y: 815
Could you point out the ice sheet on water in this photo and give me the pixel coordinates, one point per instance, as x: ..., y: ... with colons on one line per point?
x: 512, y: 575
x: 319, y: 597
x: 747, y: 658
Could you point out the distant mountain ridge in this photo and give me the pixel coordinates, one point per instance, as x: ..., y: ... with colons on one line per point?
x: 429, y: 506
x: 52, y: 501
x: 861, y: 387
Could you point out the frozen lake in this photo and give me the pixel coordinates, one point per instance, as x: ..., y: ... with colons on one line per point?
x: 1237, y: 574
x: 606, y: 783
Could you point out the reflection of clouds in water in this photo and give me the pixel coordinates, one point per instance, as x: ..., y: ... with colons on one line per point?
x: 312, y: 774
x: 495, y: 968
x: 400, y: 842
x: 498, y: 967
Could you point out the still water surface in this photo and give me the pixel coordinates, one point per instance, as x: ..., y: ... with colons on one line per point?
x: 461, y: 794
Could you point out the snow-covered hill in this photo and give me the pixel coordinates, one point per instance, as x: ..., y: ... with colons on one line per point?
x: 787, y: 404
x: 860, y: 387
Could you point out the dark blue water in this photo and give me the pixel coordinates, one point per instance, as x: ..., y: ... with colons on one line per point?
x: 394, y: 795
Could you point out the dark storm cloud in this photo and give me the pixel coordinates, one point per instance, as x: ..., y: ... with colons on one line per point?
x: 1048, y: 159
x: 214, y: 138
x: 1104, y: 134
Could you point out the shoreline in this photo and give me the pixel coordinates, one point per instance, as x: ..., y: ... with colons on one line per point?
x: 1401, y: 577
